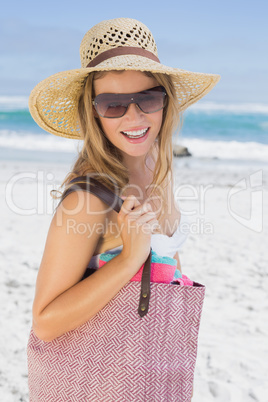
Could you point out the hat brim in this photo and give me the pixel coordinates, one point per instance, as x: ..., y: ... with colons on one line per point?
x: 53, y: 102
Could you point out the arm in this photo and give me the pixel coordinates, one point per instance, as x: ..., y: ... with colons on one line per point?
x: 62, y: 301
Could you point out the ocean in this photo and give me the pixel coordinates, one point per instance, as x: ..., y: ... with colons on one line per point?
x: 236, y: 133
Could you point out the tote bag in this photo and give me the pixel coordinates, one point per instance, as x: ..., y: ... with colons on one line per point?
x: 141, y: 346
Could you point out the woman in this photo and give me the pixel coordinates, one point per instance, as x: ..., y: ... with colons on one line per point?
x: 127, y: 104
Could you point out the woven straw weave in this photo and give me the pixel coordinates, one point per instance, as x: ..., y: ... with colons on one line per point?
x: 122, y: 32
x: 53, y: 101
x: 119, y: 356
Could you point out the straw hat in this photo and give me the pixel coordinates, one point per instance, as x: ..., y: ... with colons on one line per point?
x: 117, y: 44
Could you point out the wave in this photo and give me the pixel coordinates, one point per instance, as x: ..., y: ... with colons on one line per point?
x: 13, y: 103
x: 199, y: 148
x: 234, y: 150
x: 37, y: 142
x: 235, y: 108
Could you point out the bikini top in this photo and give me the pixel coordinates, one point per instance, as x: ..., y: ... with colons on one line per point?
x: 163, y: 245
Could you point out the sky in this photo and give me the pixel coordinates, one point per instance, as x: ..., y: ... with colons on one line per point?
x: 230, y: 38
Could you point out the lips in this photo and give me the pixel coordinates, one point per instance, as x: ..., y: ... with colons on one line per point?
x: 135, y: 133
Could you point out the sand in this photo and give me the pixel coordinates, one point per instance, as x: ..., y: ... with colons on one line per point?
x: 226, y: 251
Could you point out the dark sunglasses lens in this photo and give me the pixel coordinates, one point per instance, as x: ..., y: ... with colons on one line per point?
x: 115, y: 105
x: 151, y: 101
x: 107, y: 107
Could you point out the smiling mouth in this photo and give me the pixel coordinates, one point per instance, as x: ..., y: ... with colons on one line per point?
x: 136, y: 134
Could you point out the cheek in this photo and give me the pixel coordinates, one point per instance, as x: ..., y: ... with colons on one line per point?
x: 108, y: 126
x: 158, y: 119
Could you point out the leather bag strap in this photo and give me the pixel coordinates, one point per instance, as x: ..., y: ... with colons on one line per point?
x: 93, y: 186
x: 87, y: 183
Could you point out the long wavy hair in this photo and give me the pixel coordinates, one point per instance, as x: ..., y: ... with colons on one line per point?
x: 99, y: 156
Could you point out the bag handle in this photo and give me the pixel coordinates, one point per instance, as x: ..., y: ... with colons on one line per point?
x: 93, y: 186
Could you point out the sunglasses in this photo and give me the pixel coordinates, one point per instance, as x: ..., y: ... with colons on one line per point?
x: 114, y: 106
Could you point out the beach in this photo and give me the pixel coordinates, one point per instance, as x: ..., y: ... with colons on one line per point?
x: 222, y: 189
x: 54, y: 61
x: 225, y: 250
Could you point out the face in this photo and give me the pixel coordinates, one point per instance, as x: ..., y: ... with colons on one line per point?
x: 119, y: 130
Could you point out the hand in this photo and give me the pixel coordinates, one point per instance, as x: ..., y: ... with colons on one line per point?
x: 136, y: 223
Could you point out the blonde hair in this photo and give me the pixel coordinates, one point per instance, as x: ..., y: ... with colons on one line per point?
x: 100, y: 156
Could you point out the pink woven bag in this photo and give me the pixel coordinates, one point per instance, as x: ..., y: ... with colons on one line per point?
x: 122, y: 354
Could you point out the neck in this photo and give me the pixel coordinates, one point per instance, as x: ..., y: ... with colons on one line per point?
x: 138, y: 165
x: 135, y: 165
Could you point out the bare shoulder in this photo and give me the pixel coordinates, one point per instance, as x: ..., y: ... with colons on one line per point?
x: 78, y: 223
x: 81, y: 205
x: 76, y: 227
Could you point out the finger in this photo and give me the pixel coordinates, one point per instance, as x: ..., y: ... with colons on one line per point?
x: 140, y: 210
x: 133, y: 206
x: 130, y: 202
x: 149, y: 227
x: 153, y: 225
x: 144, y: 218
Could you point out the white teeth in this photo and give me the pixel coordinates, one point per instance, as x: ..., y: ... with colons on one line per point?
x: 135, y: 134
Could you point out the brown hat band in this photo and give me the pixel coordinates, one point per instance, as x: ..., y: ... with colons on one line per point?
x: 122, y: 51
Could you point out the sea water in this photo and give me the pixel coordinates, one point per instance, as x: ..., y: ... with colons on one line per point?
x: 236, y: 133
